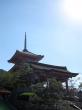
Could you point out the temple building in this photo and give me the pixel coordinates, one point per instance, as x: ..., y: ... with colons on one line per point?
x: 41, y: 71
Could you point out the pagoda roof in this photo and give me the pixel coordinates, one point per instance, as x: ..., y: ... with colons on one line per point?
x: 60, y: 72
x: 48, y: 66
x: 20, y: 55
x: 51, y: 70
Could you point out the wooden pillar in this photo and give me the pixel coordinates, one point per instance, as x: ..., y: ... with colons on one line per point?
x: 67, y: 89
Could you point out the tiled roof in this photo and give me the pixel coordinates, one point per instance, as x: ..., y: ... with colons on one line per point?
x: 52, y: 67
x: 25, y: 54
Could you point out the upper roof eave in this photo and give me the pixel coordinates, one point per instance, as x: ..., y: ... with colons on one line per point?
x: 38, y: 57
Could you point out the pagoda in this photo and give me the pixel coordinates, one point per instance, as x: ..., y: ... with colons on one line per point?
x: 41, y: 71
x: 25, y: 55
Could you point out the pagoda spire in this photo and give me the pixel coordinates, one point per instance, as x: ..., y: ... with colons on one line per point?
x: 25, y: 44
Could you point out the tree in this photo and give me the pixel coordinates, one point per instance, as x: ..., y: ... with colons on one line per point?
x: 19, y: 78
x: 80, y: 86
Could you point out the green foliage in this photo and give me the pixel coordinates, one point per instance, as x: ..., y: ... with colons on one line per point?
x: 41, y: 97
x: 27, y: 94
x: 46, y: 95
x: 25, y: 69
x: 6, y: 79
x: 4, y: 106
x: 20, y: 78
x: 49, y: 94
x: 54, y: 85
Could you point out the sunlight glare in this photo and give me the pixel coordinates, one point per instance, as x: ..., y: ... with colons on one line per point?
x: 72, y: 10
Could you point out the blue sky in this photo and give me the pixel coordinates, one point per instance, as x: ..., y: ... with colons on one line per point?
x: 54, y: 29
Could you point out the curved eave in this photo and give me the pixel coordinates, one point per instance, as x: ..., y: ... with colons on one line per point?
x: 52, y: 68
x: 43, y: 65
x: 60, y: 72
x: 65, y: 74
x: 74, y: 74
x: 13, y: 57
x: 25, y: 54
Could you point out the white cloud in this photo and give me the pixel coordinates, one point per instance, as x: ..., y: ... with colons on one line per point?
x: 71, y: 10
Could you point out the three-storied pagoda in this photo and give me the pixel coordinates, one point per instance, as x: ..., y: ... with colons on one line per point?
x: 41, y: 71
